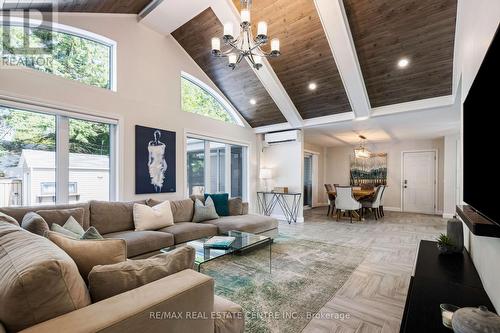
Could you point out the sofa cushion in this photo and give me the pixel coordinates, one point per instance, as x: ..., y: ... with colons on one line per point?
x: 109, y: 217
x: 186, y: 231
x: 140, y: 242
x: 182, y: 210
x: 9, y: 219
x: 229, y: 317
x: 61, y: 216
x: 109, y: 280
x: 90, y: 252
x: 39, y: 281
x: 235, y: 206
x: 153, y: 218
x: 34, y: 223
x: 248, y: 223
x: 19, y: 212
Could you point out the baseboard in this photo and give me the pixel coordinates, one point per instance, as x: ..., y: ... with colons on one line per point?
x: 283, y: 218
x: 392, y: 209
x: 321, y: 204
x: 448, y: 216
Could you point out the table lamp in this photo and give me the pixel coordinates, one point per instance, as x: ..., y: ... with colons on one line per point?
x: 266, y: 174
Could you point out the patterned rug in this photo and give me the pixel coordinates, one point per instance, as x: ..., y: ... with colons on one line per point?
x: 305, y: 275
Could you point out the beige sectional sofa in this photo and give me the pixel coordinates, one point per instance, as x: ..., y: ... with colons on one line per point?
x: 115, y: 220
x: 42, y: 291
x: 27, y: 258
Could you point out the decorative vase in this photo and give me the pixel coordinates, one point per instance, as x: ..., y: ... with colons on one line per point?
x: 455, y: 232
x: 475, y: 320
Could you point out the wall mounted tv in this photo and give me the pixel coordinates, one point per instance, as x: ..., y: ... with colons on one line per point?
x: 481, y: 137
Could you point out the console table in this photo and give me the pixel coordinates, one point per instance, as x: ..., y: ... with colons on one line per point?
x: 440, y: 279
x: 268, y: 200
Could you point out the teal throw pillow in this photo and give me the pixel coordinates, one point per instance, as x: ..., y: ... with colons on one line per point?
x: 221, y: 202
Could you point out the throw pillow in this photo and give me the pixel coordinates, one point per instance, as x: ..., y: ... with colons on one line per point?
x: 8, y: 219
x: 73, y: 226
x: 61, y: 216
x: 204, y: 212
x: 89, y: 253
x: 109, y: 280
x: 91, y: 233
x: 221, y: 203
x: 235, y: 206
x: 57, y: 228
x: 35, y: 223
x: 153, y: 218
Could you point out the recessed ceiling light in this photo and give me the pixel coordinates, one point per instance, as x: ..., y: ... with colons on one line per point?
x: 253, y: 101
x: 402, y: 63
x: 312, y: 86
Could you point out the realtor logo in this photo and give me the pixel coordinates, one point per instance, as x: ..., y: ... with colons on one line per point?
x: 26, y: 34
x: 21, y: 28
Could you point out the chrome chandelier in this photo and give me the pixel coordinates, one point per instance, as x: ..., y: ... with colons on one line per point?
x: 244, y: 45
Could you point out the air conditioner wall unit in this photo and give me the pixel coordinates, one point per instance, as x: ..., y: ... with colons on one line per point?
x: 281, y: 137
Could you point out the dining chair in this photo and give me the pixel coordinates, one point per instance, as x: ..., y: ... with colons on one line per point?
x: 382, y: 201
x: 374, y: 203
x: 331, y: 199
x: 345, y: 201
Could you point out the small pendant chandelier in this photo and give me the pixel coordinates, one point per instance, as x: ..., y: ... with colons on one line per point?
x: 244, y: 45
x: 361, y: 151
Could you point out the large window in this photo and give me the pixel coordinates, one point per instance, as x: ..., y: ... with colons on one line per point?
x: 75, y: 54
x: 197, y: 97
x: 34, y: 172
x: 210, y: 170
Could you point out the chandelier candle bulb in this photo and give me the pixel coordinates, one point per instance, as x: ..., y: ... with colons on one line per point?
x: 215, y: 44
x: 245, y: 16
x: 258, y: 61
x: 232, y: 59
x: 261, y: 29
x: 228, y: 29
x: 275, y: 45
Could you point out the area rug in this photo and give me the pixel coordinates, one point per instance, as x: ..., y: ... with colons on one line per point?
x: 305, y: 275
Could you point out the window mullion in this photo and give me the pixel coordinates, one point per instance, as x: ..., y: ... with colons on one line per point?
x: 62, y: 159
x: 227, y: 180
x: 207, y: 167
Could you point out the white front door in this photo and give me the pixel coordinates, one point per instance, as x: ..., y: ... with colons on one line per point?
x: 419, y: 182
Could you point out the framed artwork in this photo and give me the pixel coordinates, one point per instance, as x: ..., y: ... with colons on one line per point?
x: 154, y: 160
x: 369, y: 171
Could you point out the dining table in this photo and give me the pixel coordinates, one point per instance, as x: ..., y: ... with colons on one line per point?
x: 359, y: 194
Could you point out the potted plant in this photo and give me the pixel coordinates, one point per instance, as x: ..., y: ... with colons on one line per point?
x: 445, y: 245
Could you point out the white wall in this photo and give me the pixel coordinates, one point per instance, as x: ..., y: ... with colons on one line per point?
x: 338, y: 166
x: 450, y: 175
x: 286, y: 160
x: 478, y: 21
x: 148, y: 82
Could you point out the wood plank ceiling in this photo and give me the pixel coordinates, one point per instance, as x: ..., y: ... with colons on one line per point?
x: 239, y: 85
x: 422, y: 31
x: 96, y: 6
x: 305, y: 56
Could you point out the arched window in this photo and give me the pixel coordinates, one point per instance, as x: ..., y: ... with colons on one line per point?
x: 58, y: 49
x: 198, y: 98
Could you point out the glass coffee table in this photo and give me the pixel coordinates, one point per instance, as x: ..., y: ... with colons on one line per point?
x: 244, y: 242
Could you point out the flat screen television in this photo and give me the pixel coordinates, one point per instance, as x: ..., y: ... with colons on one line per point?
x: 481, y: 137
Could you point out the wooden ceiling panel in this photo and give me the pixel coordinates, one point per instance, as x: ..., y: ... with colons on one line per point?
x: 94, y: 6
x: 305, y: 56
x: 385, y: 31
x: 239, y: 85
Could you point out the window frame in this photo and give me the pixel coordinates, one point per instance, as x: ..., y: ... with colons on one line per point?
x: 228, y: 107
x: 62, y: 168
x: 73, y: 31
x: 245, y: 194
